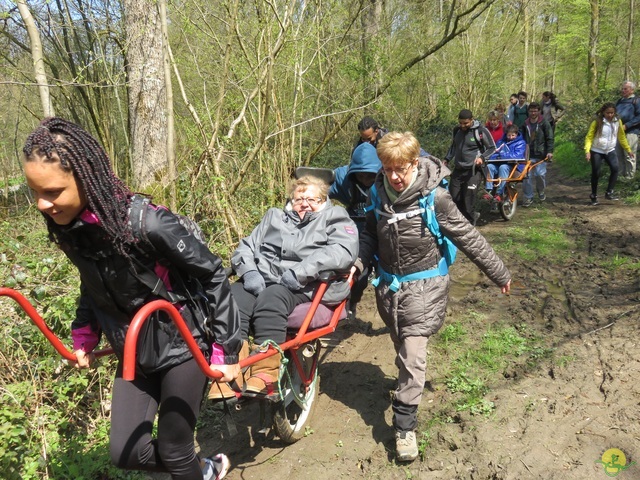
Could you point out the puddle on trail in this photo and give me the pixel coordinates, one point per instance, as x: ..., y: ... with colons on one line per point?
x: 547, y: 290
x: 461, y: 285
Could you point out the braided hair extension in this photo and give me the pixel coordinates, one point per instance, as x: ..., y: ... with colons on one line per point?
x: 58, y: 140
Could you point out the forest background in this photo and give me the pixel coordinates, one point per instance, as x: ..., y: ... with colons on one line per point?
x: 210, y: 106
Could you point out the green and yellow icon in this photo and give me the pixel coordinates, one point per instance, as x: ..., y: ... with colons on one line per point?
x: 614, y: 461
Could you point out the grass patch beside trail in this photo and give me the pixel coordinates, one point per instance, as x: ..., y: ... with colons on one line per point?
x: 468, y: 356
x: 541, y: 237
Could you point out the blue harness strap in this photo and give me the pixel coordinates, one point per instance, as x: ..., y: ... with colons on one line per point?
x: 394, y: 281
x: 447, y: 249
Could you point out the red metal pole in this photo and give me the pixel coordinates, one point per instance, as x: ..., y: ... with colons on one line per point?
x: 131, y: 340
x: 39, y: 322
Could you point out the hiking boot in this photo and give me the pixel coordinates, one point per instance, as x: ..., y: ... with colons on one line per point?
x: 406, y: 446
x: 264, y: 375
x: 220, y: 390
x: 527, y: 202
x: 542, y: 197
x: 594, y: 200
x: 215, y: 468
x: 611, y: 196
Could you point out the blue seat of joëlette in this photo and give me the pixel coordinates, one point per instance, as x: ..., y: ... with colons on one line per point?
x: 322, y: 318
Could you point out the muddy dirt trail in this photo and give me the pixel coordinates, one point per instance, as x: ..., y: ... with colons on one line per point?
x: 551, y: 422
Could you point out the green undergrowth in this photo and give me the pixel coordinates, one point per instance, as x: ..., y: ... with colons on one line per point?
x: 54, y: 420
x: 470, y: 356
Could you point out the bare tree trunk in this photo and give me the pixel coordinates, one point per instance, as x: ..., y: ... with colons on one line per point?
x: 171, y: 176
x: 38, y: 61
x: 147, y: 91
x: 627, y: 51
x: 527, y: 33
x: 371, y: 17
x: 594, y: 32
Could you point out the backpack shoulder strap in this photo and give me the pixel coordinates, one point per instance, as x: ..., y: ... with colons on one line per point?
x: 138, y: 218
x: 375, y: 202
x: 148, y: 277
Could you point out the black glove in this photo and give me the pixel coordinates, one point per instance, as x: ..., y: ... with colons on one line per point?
x: 253, y: 282
x: 290, y: 281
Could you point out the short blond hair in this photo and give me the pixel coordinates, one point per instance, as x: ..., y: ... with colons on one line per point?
x: 309, y: 181
x: 396, y: 149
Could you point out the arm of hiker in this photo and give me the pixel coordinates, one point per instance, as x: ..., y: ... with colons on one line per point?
x: 189, y: 257
x: 85, y: 332
x: 588, y: 140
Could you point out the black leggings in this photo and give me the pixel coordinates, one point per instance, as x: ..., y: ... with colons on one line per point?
x: 178, y: 392
x: 596, y: 166
x: 268, y: 312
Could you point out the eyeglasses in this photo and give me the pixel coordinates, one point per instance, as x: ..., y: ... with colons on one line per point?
x: 312, y: 202
x: 400, y: 171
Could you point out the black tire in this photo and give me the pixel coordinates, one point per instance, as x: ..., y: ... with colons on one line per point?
x: 508, y: 208
x: 291, y: 419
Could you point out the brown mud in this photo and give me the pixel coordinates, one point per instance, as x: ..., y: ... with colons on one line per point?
x: 553, y: 421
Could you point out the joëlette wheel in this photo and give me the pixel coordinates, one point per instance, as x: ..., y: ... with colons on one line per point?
x: 291, y: 416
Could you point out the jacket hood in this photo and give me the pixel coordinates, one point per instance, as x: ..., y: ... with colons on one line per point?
x: 364, y: 159
x: 475, y: 124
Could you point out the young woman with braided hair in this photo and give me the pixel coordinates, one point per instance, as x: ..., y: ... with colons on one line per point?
x: 86, y: 207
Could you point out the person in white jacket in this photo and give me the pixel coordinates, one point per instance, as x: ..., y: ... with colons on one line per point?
x: 600, y: 145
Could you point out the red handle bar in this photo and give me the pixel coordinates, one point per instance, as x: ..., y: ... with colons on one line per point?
x: 131, y: 339
x: 37, y: 319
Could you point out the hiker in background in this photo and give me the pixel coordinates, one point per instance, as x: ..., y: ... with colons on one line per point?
x: 471, y: 146
x: 279, y: 265
x: 600, y: 145
x: 495, y: 125
x: 86, y: 208
x: 552, y: 110
x: 351, y: 187
x: 370, y: 132
x: 412, y: 289
x: 628, y: 109
x: 538, y: 134
x: 513, y: 99
x: 520, y: 110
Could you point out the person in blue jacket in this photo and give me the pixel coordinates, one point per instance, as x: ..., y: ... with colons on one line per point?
x: 512, y: 146
x: 351, y: 188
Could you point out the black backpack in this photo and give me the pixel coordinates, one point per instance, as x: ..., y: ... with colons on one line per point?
x: 190, y: 289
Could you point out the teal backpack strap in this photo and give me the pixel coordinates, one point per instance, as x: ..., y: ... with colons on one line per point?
x: 447, y: 248
x: 375, y: 202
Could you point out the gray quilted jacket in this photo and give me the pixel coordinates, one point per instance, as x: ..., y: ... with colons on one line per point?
x: 407, y: 246
x: 321, y: 241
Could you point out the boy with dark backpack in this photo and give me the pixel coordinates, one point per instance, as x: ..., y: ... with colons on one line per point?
x: 413, y: 281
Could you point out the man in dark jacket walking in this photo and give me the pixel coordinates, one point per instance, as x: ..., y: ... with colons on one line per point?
x: 628, y: 109
x: 472, y: 145
x: 539, y: 137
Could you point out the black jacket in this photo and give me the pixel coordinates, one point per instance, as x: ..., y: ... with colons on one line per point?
x: 111, y: 293
x: 539, y: 137
x: 467, y: 145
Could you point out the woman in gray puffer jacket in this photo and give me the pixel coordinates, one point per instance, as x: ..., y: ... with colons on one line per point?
x: 403, y: 246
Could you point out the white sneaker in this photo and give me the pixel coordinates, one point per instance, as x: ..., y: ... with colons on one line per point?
x: 406, y: 446
x: 216, y: 468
